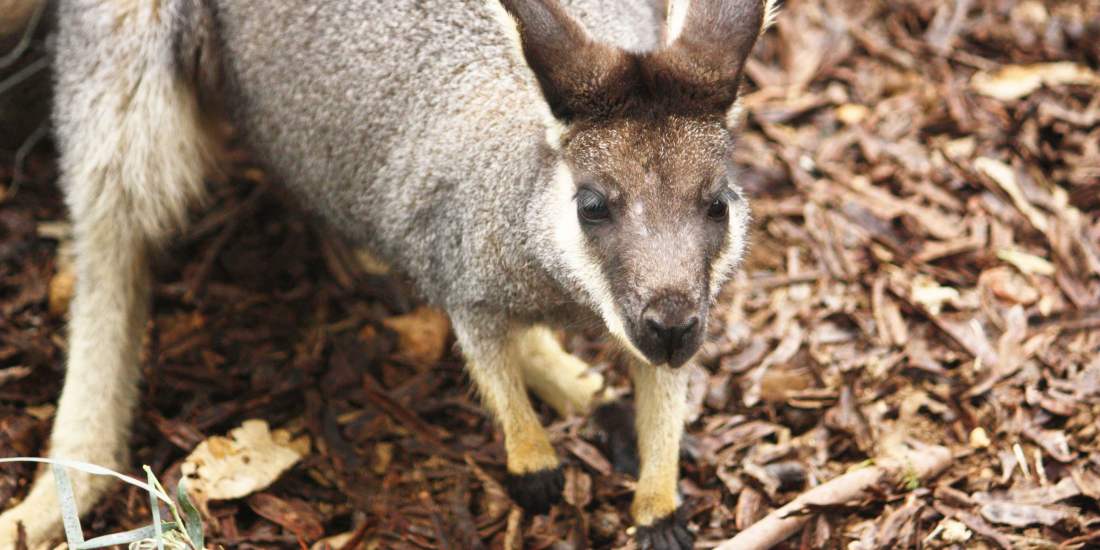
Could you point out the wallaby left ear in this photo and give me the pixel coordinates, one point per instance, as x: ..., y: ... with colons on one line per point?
x: 578, y: 76
x: 703, y: 63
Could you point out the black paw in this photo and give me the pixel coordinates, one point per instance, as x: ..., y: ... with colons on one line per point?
x: 616, y: 435
x: 537, y: 491
x: 669, y: 533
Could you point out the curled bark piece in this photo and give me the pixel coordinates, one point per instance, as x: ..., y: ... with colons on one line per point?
x: 919, y: 463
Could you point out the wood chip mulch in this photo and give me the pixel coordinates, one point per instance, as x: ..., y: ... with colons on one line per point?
x: 925, y: 266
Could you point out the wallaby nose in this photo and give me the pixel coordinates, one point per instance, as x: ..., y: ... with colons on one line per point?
x: 670, y: 331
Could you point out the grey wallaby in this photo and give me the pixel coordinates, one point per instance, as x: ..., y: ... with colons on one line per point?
x: 529, y: 164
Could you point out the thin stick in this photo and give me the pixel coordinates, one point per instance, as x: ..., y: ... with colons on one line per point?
x: 25, y: 40
x: 921, y: 463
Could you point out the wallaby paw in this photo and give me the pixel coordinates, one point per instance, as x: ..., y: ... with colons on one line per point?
x: 536, y: 491
x: 616, y: 436
x: 667, y: 533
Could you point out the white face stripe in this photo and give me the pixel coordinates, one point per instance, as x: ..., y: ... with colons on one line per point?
x: 580, y: 266
x: 730, y: 256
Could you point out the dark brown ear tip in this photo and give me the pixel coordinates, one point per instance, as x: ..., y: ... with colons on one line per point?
x: 702, y: 66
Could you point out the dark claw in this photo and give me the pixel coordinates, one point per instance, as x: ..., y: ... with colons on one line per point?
x: 616, y: 435
x: 537, y: 491
x: 669, y: 533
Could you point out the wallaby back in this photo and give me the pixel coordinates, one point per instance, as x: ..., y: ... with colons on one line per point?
x: 414, y: 128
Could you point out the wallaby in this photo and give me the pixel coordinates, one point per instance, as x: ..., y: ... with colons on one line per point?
x: 523, y: 172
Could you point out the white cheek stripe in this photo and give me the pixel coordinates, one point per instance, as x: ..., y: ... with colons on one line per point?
x: 580, y: 266
x: 730, y: 255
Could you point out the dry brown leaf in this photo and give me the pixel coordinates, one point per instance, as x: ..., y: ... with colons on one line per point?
x: 249, y: 459
x: 422, y: 335
x: 1016, y: 81
x: 63, y: 282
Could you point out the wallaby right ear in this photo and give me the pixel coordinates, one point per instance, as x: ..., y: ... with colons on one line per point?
x: 702, y: 63
x: 578, y: 76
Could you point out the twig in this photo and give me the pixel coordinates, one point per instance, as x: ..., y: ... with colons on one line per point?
x: 20, y: 169
x: 25, y: 40
x: 921, y: 463
x: 24, y: 74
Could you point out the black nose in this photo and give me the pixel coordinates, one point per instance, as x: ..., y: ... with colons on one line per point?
x: 670, y: 331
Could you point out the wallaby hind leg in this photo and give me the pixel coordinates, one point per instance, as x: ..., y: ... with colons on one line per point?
x: 132, y: 155
x: 563, y: 381
x: 494, y: 355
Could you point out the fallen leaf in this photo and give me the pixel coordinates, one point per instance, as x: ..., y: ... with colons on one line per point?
x: 1016, y: 81
x: 249, y: 459
x: 421, y: 335
x: 62, y: 286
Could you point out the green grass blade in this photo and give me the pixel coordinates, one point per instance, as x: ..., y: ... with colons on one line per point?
x: 193, y: 523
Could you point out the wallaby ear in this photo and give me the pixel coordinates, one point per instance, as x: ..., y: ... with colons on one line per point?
x: 578, y: 75
x: 704, y: 61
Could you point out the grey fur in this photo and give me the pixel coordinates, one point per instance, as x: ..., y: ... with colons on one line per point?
x: 418, y: 135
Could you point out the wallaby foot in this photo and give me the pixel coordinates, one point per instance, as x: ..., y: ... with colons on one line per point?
x: 661, y: 397
x: 40, y: 514
x: 569, y: 386
x: 537, y: 491
x: 667, y: 533
x: 495, y: 355
x: 616, y: 435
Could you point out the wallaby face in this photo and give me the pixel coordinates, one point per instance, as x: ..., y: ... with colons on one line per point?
x: 644, y: 148
x: 660, y: 213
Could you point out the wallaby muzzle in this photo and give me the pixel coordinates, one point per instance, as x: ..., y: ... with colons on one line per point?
x: 670, y: 329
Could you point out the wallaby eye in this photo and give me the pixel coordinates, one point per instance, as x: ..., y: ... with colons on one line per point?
x: 592, y: 207
x: 719, y: 209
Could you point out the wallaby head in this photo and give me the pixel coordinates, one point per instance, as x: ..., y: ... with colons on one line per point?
x: 649, y: 216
